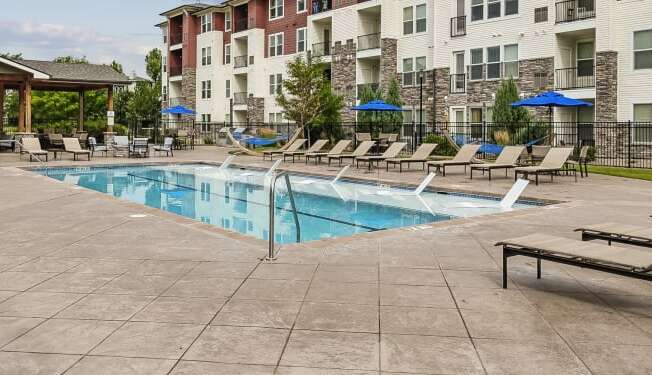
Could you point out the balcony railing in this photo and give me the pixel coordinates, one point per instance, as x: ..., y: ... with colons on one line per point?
x: 321, y: 49
x: 574, y: 10
x: 458, y: 83
x: 240, y: 61
x: 369, y: 41
x: 176, y: 39
x: 175, y: 70
x: 574, y: 78
x: 319, y: 6
x: 239, y: 98
x: 241, y: 24
x: 458, y: 26
x: 173, y: 102
x: 362, y: 86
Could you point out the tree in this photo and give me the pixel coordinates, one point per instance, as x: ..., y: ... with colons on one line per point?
x: 503, y: 113
x: 12, y: 56
x: 367, y: 94
x: 117, y: 66
x: 71, y: 60
x: 306, y: 93
x: 145, y: 102
x: 153, y: 62
x: 393, y: 96
x: 330, y: 120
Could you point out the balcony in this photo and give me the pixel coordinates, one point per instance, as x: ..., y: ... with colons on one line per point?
x: 239, y: 98
x: 173, y: 102
x: 175, y: 70
x: 574, y: 10
x: 176, y: 39
x: 369, y: 41
x: 362, y: 86
x: 240, y: 61
x: 241, y: 24
x: 321, y: 49
x: 458, y: 26
x: 457, y: 83
x: 320, y: 6
x: 574, y: 78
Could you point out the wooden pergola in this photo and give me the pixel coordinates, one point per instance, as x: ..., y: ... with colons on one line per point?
x: 27, y: 75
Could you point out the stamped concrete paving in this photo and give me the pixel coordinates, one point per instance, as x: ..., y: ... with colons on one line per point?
x: 85, y: 288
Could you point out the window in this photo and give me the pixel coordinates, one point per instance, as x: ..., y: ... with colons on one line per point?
x: 275, y: 118
x: 585, y: 51
x: 477, y: 60
x: 421, y: 18
x: 227, y: 54
x: 206, y: 57
x: 643, y: 49
x: 276, y: 45
x: 165, y: 93
x: 493, y: 62
x: 541, y: 15
x: 227, y: 88
x: 511, y: 7
x: 477, y: 10
x: 275, y: 83
x: 419, y: 67
x: 493, y: 8
x: 205, y: 89
x: 301, y: 39
x: 275, y: 9
x: 413, y: 115
x: 301, y: 6
x: 540, y: 80
x: 408, y: 20
x: 227, y: 21
x: 511, y: 60
x: 205, y: 119
x: 642, y: 131
x: 206, y: 23
x: 408, y: 72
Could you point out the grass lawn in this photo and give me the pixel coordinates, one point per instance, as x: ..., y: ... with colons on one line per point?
x: 638, y: 173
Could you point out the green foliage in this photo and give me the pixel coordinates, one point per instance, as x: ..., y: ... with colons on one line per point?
x: 503, y: 113
x: 71, y: 60
x: 153, y: 64
x: 366, y: 95
x: 145, y: 102
x: 12, y: 56
x: 117, y: 66
x: 530, y: 132
x: 393, y: 96
x: 444, y: 147
x: 329, y: 123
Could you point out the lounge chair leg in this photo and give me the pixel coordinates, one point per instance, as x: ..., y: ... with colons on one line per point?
x: 504, y: 268
x: 536, y: 178
x: 489, y: 173
x: 472, y: 173
x: 538, y: 268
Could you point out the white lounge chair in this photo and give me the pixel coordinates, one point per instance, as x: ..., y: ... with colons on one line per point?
x: 463, y: 157
x: 338, y: 149
x: 167, y: 147
x: 506, y: 160
x: 553, y: 163
x: 391, y: 152
x: 32, y: 147
x: 421, y: 155
x: 72, y: 146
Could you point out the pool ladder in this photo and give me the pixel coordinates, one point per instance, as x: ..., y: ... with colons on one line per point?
x: 271, y: 255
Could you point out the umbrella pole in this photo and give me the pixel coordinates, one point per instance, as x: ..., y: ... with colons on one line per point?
x: 550, y: 125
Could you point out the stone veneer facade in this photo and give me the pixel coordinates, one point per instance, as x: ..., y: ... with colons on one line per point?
x: 609, y: 140
x: 188, y: 87
x: 255, y: 110
x: 343, y: 77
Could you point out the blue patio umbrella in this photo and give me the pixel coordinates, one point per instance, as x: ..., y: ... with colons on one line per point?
x: 551, y: 99
x: 377, y: 106
x: 178, y: 110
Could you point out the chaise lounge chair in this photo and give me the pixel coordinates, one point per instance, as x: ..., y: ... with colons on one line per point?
x: 338, y: 149
x: 95, y: 147
x: 582, y: 161
x: 553, y: 163
x: 120, y: 145
x: 391, y: 152
x: 636, y: 263
x: 316, y: 147
x: 362, y: 149
x: 622, y: 233
x: 506, y: 160
x: 72, y: 146
x: 293, y: 147
x: 463, y: 157
x: 32, y: 147
x: 167, y: 146
x: 421, y: 155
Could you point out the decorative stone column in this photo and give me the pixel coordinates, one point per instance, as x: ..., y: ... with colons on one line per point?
x: 256, y: 109
x: 388, y: 61
x: 189, y: 87
x: 610, y: 140
x: 343, y: 76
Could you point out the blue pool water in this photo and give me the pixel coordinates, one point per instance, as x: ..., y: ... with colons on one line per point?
x: 237, y: 200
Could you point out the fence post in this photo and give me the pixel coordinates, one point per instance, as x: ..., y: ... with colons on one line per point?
x: 629, y: 143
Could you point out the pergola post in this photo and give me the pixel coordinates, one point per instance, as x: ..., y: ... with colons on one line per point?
x: 2, y: 107
x: 28, y: 106
x: 81, y: 110
x: 21, y: 108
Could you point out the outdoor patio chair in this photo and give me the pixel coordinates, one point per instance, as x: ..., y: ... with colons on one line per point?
x: 56, y: 140
x: 72, y: 146
x: 622, y: 233
x: 506, y: 160
x: 32, y: 147
x: 391, y: 152
x: 630, y: 262
x: 582, y: 161
x: 421, y: 155
x: 95, y: 147
x: 538, y: 153
x: 362, y: 137
x: 338, y: 149
x: 386, y: 140
x: 120, y: 145
x: 316, y: 147
x: 553, y: 163
x: 463, y: 157
x: 296, y: 145
x: 139, y: 147
x: 362, y: 149
x: 167, y: 147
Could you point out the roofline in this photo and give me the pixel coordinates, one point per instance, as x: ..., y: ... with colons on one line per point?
x: 36, y: 73
x: 161, y: 24
x: 213, y: 8
x: 180, y: 8
x: 97, y: 82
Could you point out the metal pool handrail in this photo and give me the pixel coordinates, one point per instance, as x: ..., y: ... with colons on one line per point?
x: 272, y: 209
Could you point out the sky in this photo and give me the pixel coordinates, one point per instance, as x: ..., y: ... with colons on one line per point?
x: 103, y: 31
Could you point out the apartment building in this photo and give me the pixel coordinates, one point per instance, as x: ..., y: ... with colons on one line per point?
x: 228, y: 60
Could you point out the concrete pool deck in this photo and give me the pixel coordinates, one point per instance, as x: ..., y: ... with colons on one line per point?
x: 92, y: 284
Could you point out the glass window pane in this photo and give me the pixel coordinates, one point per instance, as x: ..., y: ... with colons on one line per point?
x: 407, y: 14
x: 493, y: 54
x: 511, y: 69
x: 477, y: 13
x: 511, y: 52
x: 421, y: 63
x: 493, y: 10
x: 643, y: 112
x: 476, y: 72
x: 421, y: 11
x: 476, y: 56
x: 421, y: 25
x: 493, y: 71
x: 643, y: 60
x: 511, y: 7
x: 407, y: 27
x: 407, y: 65
x: 585, y: 50
x: 643, y: 39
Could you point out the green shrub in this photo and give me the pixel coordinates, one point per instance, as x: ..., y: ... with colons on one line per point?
x: 444, y: 147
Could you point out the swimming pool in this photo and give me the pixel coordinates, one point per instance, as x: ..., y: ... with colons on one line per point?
x: 237, y: 199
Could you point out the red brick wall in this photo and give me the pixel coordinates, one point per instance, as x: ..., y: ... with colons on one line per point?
x: 218, y: 21
x: 257, y: 14
x: 191, y: 26
x: 289, y: 24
